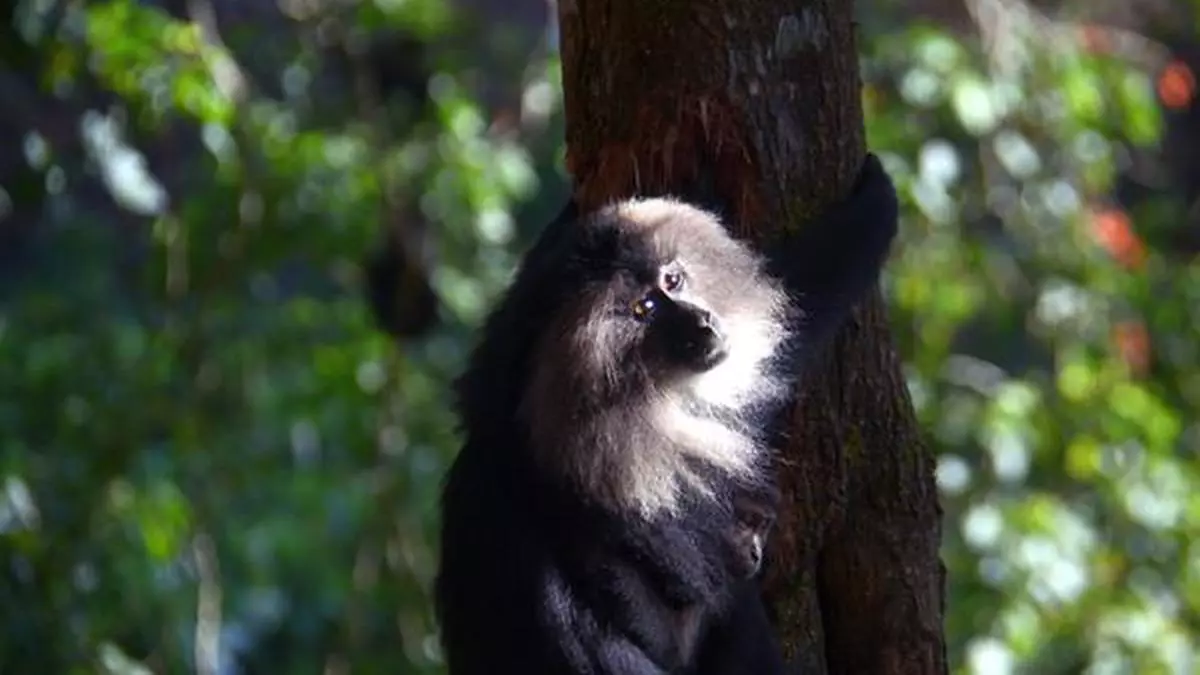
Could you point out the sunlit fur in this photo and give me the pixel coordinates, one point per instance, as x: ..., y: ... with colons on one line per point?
x: 593, y: 520
x: 633, y: 436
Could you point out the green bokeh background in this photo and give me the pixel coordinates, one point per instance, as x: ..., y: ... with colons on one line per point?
x: 212, y: 461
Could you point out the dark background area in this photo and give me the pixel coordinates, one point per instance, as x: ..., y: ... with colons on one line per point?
x: 220, y: 453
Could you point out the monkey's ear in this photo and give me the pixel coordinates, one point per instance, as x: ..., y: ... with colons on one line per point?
x: 398, y: 292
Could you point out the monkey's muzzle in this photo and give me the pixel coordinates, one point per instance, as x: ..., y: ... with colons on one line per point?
x: 697, y: 341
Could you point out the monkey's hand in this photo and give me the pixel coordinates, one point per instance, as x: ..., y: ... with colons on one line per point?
x: 833, y: 262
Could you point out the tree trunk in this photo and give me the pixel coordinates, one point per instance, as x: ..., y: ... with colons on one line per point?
x: 755, y: 105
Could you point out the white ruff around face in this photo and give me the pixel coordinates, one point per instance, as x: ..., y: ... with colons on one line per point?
x: 658, y: 473
x: 739, y: 379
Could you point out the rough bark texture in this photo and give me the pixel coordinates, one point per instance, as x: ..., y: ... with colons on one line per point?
x: 756, y: 103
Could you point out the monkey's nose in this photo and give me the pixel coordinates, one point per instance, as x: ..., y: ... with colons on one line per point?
x: 706, y: 319
x: 707, y: 346
x: 717, y: 353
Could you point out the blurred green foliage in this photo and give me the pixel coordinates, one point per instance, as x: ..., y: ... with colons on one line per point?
x: 1052, y: 364
x: 211, y: 460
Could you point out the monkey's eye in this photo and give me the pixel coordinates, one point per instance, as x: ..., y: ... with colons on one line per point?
x: 643, y: 308
x: 672, y: 281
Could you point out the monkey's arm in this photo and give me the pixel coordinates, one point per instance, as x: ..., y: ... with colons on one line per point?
x: 512, y: 597
x: 566, y: 636
x: 669, y: 556
x: 742, y: 640
x: 578, y: 642
x: 530, y: 619
x: 833, y: 262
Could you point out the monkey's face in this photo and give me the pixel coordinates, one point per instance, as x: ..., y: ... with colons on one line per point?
x: 679, y: 336
x: 666, y: 302
x: 647, y: 300
x: 633, y: 328
x: 645, y: 315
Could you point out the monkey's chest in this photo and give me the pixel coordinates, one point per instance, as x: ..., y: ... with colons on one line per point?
x: 660, y: 593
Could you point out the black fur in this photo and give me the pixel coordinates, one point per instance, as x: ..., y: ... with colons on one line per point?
x: 537, y: 576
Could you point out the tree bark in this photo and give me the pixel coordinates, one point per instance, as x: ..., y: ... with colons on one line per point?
x: 754, y: 106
